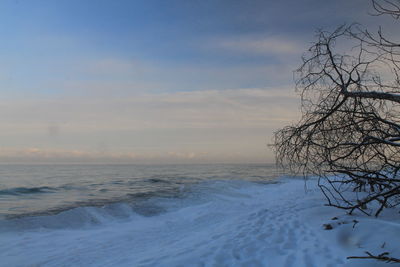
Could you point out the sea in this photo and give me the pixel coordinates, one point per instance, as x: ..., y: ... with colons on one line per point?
x: 43, y: 190
x: 178, y: 215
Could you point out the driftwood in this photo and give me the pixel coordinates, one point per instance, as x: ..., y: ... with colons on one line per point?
x: 381, y: 257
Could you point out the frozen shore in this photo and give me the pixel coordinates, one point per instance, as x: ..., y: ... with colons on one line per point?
x: 220, y: 224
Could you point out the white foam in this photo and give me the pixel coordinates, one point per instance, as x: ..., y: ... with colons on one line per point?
x: 216, y: 224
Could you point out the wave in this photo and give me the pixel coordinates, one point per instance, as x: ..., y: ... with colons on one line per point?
x: 74, y: 218
x: 27, y: 190
x: 157, y: 180
x: 144, y: 205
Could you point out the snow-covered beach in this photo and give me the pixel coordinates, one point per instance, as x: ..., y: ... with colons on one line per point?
x: 223, y: 223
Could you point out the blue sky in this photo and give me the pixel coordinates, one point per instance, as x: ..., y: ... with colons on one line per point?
x: 155, y: 81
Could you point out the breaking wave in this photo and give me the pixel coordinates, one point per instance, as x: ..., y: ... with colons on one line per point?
x: 27, y: 190
x: 146, y: 205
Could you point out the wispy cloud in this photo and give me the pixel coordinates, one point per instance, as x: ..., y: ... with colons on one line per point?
x: 49, y: 155
x: 200, y: 125
x: 273, y: 46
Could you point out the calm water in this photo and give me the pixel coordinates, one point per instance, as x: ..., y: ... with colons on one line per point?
x: 48, y: 189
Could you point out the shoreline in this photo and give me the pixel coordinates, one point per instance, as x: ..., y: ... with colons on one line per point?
x: 244, y: 224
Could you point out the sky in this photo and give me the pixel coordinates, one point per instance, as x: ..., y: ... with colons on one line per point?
x: 155, y: 81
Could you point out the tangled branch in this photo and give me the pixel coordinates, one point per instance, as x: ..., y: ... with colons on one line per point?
x: 349, y: 134
x: 381, y: 257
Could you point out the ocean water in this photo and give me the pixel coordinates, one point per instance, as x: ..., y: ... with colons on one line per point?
x: 200, y: 215
x: 210, y: 215
x: 119, y: 190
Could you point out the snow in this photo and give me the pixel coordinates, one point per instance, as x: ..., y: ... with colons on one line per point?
x: 218, y: 224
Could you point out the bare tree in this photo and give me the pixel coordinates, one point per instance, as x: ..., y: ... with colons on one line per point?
x: 349, y: 133
x: 387, y: 7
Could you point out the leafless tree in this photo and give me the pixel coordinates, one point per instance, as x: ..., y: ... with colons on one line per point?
x: 349, y: 133
x: 387, y: 7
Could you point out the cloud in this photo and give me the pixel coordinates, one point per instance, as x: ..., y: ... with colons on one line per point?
x: 50, y: 155
x: 240, y: 108
x: 273, y: 46
x: 123, y: 77
x: 196, y: 126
